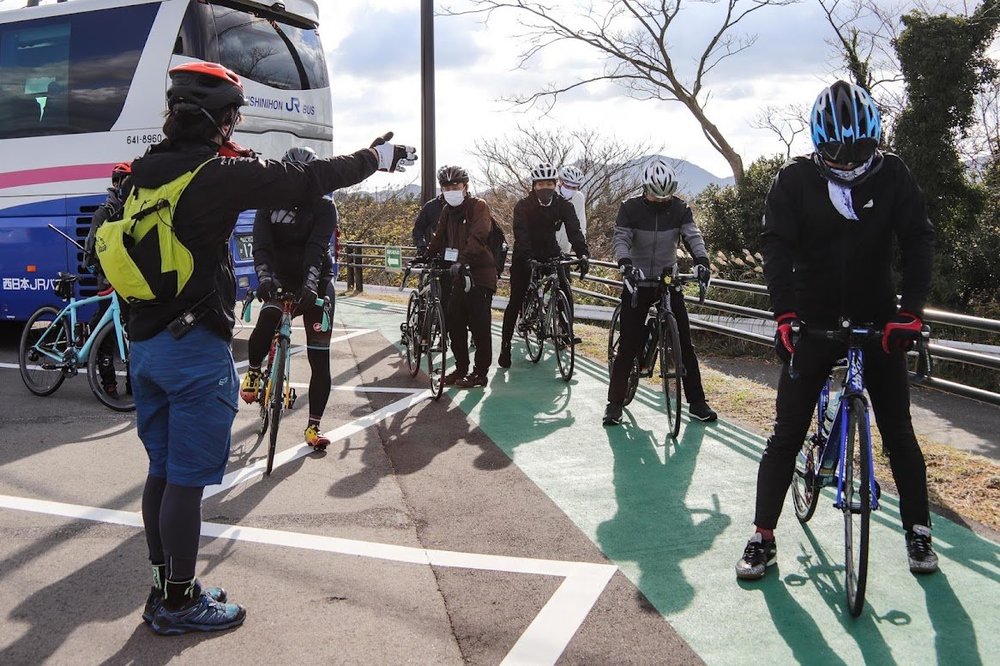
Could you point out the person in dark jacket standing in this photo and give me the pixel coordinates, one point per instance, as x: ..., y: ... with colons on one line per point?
x: 183, y: 376
x: 829, y: 223
x: 465, y: 226
x: 291, y: 251
x: 648, y: 232
x: 537, y: 218
x: 426, y: 223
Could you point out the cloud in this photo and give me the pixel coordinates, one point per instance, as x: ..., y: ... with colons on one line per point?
x: 384, y: 44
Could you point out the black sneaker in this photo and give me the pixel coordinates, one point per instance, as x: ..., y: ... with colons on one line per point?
x: 613, y: 414
x: 702, y: 412
x: 472, y: 380
x: 155, y: 599
x: 757, y: 557
x: 454, y: 376
x: 504, y: 359
x: 923, y: 559
x: 201, y: 614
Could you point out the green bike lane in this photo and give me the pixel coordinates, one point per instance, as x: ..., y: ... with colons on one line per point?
x: 674, y: 516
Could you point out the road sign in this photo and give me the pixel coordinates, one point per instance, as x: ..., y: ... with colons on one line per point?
x: 393, y: 259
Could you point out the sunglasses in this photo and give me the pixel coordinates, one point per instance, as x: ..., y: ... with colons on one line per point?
x: 848, y: 154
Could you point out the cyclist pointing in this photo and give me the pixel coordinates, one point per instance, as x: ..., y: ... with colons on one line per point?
x: 829, y: 224
x: 182, y: 370
x: 291, y: 250
x: 648, y: 231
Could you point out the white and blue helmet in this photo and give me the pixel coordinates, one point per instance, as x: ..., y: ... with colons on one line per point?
x: 845, y: 123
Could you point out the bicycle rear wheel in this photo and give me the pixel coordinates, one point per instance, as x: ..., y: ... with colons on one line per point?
x: 276, y: 397
x: 805, y: 487
x: 856, y: 504
x: 411, y: 334
x: 532, y: 326
x: 42, y: 338
x: 614, y: 342
x: 671, y: 371
x: 107, y: 370
x: 560, y: 320
x: 437, y: 349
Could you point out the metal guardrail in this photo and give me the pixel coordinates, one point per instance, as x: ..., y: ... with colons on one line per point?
x: 359, y: 256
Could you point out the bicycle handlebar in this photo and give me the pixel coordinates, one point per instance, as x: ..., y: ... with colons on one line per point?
x: 852, y: 335
x: 677, y: 281
x: 438, y: 269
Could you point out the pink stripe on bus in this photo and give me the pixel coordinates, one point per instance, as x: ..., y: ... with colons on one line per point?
x: 55, y: 174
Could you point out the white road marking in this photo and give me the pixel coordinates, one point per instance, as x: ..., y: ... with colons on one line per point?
x: 256, y: 471
x: 542, y: 642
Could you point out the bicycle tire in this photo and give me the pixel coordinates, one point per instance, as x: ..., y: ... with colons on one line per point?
x: 119, y: 401
x: 614, y: 342
x: 411, y: 334
x: 560, y: 319
x: 276, y: 394
x: 43, y: 380
x: 437, y: 349
x: 856, y: 506
x: 532, y: 326
x: 805, y: 486
x: 671, y: 371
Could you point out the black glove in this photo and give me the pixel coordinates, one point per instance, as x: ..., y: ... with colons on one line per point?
x: 308, y: 296
x: 455, y: 269
x: 625, y: 266
x: 584, y: 264
x: 702, y: 270
x: 393, y: 157
x: 267, y: 287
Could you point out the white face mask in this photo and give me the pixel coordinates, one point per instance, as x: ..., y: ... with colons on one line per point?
x: 454, y: 197
x: 853, y: 174
x: 566, y: 192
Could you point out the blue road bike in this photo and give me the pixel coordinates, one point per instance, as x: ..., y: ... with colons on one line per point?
x: 839, y: 454
x: 56, y: 344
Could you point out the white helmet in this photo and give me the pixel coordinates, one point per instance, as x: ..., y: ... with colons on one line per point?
x: 543, y: 171
x: 658, y: 179
x: 572, y: 176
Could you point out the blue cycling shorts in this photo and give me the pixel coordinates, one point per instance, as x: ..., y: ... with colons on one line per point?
x: 185, y: 403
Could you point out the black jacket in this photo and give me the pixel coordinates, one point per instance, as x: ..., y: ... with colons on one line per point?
x: 207, y: 212
x: 535, y: 228
x: 822, y: 266
x: 292, y: 243
x: 426, y: 223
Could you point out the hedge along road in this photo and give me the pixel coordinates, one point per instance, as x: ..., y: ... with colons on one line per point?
x: 674, y: 517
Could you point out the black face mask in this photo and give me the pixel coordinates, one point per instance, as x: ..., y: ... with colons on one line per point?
x: 545, y: 196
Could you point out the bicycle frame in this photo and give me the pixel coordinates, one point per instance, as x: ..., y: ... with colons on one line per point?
x: 282, y: 332
x: 82, y: 353
x: 853, y: 386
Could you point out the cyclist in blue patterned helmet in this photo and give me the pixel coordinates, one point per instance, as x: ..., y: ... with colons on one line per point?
x: 846, y: 129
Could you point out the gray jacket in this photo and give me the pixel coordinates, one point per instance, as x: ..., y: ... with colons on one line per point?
x: 649, y: 234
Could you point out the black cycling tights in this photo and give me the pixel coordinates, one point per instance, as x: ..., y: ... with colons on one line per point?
x: 172, y: 516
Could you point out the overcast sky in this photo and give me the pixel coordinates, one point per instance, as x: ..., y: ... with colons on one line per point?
x: 373, y: 48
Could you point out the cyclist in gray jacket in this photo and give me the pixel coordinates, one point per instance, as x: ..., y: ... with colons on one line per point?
x: 648, y: 231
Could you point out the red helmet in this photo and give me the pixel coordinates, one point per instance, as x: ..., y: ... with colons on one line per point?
x: 205, y: 84
x: 122, y: 169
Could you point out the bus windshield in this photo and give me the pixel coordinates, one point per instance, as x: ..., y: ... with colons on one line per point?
x: 69, y: 74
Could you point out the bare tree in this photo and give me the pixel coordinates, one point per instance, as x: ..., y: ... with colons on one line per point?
x: 609, y: 166
x: 633, y: 39
x: 786, y: 122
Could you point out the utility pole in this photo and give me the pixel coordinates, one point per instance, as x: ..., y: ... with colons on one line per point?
x: 428, y: 158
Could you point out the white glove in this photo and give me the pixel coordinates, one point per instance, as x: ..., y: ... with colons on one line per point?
x: 393, y: 157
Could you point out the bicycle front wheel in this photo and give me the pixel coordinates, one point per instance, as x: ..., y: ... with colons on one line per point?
x: 671, y: 372
x: 107, y: 370
x: 437, y: 349
x: 560, y: 320
x: 45, y: 340
x: 276, y: 397
x: 856, y: 503
x: 532, y: 327
x: 411, y: 334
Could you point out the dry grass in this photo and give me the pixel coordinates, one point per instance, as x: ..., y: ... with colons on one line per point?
x: 959, y: 482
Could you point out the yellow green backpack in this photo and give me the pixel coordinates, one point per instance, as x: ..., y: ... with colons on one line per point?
x: 140, y: 254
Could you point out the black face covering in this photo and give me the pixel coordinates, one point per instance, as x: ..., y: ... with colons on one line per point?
x: 545, y: 196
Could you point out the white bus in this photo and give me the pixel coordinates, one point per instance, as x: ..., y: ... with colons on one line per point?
x: 82, y: 87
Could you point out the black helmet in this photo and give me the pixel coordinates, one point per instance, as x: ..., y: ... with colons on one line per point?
x: 450, y: 175
x: 205, y: 84
x: 301, y: 154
